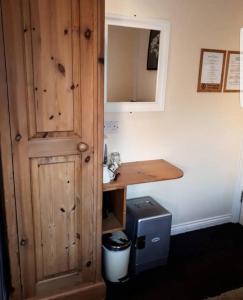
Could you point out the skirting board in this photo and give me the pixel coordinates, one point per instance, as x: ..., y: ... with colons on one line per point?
x: 199, y: 224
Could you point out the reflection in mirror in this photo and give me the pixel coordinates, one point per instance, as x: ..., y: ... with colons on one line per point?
x: 136, y: 60
x: 133, y: 55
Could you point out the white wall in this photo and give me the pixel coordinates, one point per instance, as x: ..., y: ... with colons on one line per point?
x: 121, y: 47
x: 199, y: 132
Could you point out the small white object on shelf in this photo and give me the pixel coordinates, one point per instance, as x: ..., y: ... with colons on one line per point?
x: 106, y: 174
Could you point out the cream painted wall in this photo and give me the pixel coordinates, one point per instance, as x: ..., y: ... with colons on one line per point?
x: 121, y: 44
x: 199, y: 132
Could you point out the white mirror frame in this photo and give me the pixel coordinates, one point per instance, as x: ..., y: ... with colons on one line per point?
x: 164, y: 27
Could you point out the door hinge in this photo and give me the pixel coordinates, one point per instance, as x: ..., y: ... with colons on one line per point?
x: 241, y: 198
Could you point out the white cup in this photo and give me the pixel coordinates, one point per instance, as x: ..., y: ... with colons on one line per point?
x: 106, y: 174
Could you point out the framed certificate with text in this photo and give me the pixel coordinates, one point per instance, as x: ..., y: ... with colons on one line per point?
x: 232, y: 74
x: 211, y: 70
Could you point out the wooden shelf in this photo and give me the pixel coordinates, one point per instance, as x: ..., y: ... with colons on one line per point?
x: 114, y: 210
x: 142, y: 172
x: 114, y: 193
x: 111, y: 224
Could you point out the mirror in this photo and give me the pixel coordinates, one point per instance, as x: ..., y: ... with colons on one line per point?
x: 136, y: 57
x: 134, y: 52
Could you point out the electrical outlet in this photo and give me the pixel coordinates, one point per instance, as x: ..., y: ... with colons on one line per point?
x: 111, y: 127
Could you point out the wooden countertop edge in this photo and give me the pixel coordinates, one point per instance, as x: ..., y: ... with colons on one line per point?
x: 116, y: 185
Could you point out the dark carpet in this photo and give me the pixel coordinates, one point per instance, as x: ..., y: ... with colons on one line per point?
x: 201, y: 263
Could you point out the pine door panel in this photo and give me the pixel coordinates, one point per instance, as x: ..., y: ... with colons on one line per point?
x: 52, y: 41
x: 56, y: 203
x: 51, y: 60
x: 51, y: 23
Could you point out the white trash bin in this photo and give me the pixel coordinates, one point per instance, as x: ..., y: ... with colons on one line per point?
x: 116, y: 252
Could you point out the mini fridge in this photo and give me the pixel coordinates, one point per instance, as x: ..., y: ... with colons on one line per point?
x: 148, y: 227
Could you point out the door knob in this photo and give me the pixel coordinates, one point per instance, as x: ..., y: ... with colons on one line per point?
x: 82, y: 147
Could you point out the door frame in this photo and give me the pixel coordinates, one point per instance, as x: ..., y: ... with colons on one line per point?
x: 8, y: 175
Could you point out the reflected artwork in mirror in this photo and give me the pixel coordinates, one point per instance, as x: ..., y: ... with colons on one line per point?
x: 136, y: 55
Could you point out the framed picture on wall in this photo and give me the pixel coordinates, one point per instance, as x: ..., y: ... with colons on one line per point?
x: 153, y: 50
x: 211, y: 70
x: 232, y: 74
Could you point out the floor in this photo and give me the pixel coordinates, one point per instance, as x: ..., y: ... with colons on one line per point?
x: 202, y: 264
x: 236, y: 294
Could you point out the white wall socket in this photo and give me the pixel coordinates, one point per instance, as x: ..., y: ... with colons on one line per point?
x: 111, y: 127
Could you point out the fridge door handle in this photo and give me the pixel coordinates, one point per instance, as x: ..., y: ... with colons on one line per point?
x: 140, y: 242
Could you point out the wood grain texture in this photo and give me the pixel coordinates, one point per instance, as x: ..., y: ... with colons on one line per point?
x: 116, y: 219
x: 45, y: 153
x: 77, y: 291
x: 111, y: 224
x: 56, y: 99
x: 53, y: 146
x: 29, y: 68
x: 51, y: 32
x: 99, y: 140
x: 17, y: 92
x: 120, y: 205
x: 89, y: 134
x: 8, y: 177
x: 57, y: 245
x: 76, y: 52
x: 133, y: 173
x: 142, y: 172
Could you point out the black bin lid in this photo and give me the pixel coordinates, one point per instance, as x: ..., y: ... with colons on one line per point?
x: 116, y: 241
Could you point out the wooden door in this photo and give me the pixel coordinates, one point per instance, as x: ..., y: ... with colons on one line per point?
x: 52, y: 51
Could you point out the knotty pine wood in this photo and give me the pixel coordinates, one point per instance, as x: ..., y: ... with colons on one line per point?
x: 13, y: 38
x: 99, y: 140
x: 111, y: 224
x: 143, y: 172
x: 52, y: 147
x: 54, y: 99
x: 90, y: 291
x: 51, y: 23
x: 133, y: 173
x: 116, y: 220
x: 89, y: 97
x: 8, y: 177
x: 58, y: 244
x: 87, y: 120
